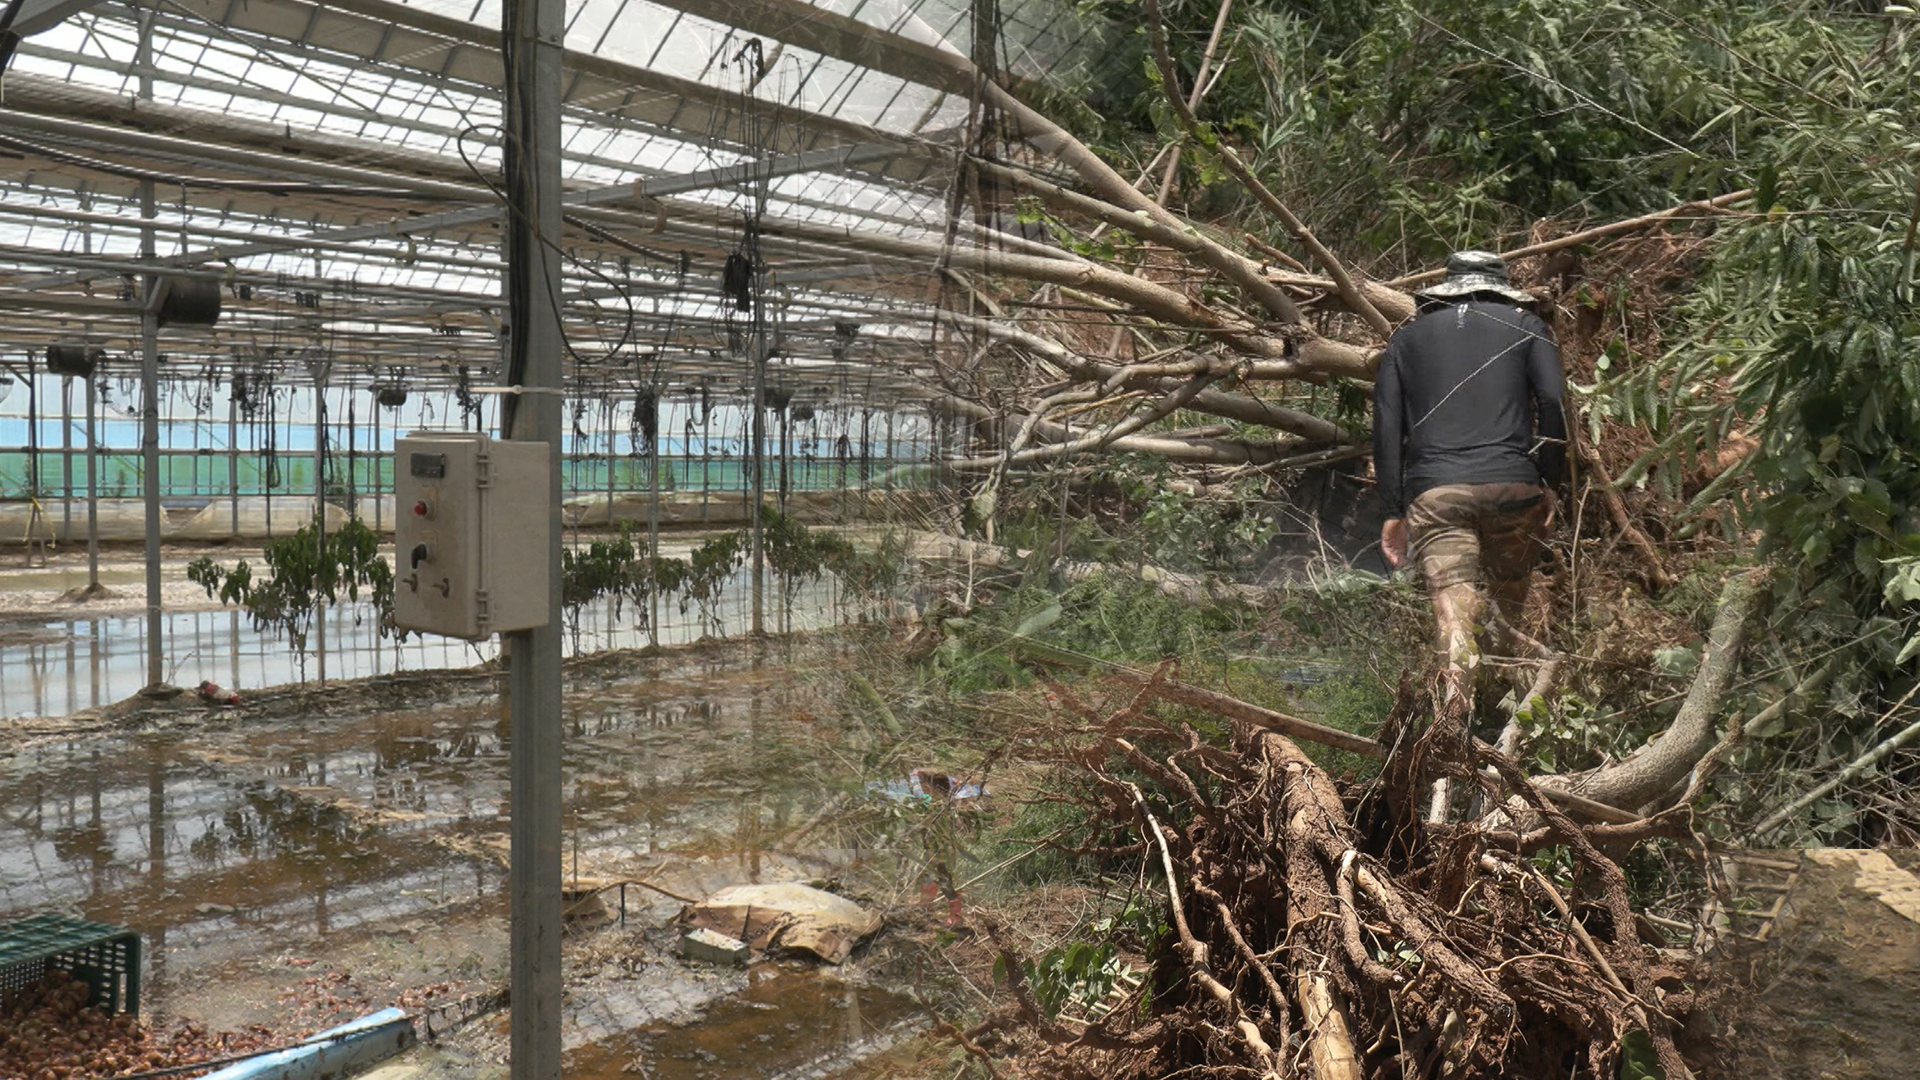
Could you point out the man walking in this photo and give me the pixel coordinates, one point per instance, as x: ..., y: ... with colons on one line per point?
x: 1469, y: 438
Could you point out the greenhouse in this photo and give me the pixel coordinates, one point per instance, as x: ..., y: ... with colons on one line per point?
x: 863, y: 538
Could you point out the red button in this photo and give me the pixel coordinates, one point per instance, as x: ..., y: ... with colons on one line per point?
x: 420, y: 508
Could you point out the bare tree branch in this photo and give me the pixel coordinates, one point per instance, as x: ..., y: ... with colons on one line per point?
x: 1356, y: 300
x: 1719, y: 202
x: 1854, y: 768
x: 1049, y: 138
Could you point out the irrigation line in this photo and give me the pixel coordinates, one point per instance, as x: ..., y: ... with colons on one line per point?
x: 488, y: 1000
x: 196, y: 1066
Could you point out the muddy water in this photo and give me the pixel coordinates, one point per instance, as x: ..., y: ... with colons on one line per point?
x: 299, y: 870
x: 785, y: 1023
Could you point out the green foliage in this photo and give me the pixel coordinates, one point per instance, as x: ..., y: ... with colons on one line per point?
x: 616, y: 566
x: 1637, y: 1059
x: 1407, y: 129
x: 876, y: 573
x: 1141, y: 923
x: 1183, y: 533
x: 301, y: 571
x: 1078, y: 972
x: 708, y: 569
x: 1353, y: 700
x: 1802, y: 329
x: 1131, y: 621
x: 298, y: 573
x: 797, y: 553
x: 1564, y: 732
x: 1112, y: 617
x: 1033, y: 823
x: 1139, y: 517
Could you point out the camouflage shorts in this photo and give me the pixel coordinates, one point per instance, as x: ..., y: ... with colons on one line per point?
x: 1477, y: 533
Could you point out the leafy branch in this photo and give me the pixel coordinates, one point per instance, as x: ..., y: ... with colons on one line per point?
x: 299, y: 572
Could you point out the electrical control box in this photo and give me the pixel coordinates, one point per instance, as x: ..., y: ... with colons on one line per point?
x: 471, y: 539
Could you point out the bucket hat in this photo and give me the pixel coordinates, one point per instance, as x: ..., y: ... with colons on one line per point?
x: 1473, y: 272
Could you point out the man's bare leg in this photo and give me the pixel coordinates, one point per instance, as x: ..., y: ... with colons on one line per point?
x: 1458, y: 611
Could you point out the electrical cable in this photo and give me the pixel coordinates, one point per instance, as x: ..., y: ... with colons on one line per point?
x: 515, y: 286
x: 617, y: 240
x: 513, y: 207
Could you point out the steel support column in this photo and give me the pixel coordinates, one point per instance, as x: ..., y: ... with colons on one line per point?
x: 379, y: 500
x: 150, y: 385
x: 757, y: 410
x: 532, y: 32
x: 653, y: 513
x: 233, y: 461
x: 66, y: 462
x: 150, y: 441
x: 93, y: 501
x: 320, y: 508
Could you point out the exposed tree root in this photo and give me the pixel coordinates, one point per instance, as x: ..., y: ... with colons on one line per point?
x: 1316, y: 932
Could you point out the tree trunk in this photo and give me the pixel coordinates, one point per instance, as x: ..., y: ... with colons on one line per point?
x: 1663, y: 763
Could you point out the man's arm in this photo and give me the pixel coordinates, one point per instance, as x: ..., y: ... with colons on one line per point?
x: 1389, y: 429
x: 1548, y: 385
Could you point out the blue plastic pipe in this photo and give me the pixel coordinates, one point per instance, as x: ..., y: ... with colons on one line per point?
x: 333, y: 1053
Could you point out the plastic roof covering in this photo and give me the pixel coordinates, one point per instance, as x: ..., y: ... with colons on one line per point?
x: 653, y: 92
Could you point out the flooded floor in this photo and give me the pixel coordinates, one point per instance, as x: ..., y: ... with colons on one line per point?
x: 787, y: 1023
x: 56, y: 667
x: 300, y: 870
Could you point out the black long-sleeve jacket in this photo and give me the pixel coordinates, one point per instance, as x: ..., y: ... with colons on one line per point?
x: 1470, y: 393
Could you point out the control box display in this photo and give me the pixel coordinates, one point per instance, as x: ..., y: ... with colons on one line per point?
x: 471, y: 539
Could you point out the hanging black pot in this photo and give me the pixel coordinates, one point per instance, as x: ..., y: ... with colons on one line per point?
x: 390, y: 396
x: 190, y: 302
x: 736, y: 281
x: 75, y: 360
x: 646, y: 413
x: 801, y: 413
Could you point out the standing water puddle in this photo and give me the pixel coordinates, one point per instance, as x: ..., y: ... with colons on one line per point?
x: 786, y: 1024
x: 56, y: 667
x: 363, y: 851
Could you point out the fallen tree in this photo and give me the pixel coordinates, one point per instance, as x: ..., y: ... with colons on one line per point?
x: 1615, y: 791
x: 1322, y: 928
x: 1310, y: 924
x: 1736, y: 403
x: 1185, y: 318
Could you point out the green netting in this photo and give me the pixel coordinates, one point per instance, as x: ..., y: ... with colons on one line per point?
x: 194, y: 474
x: 106, y: 957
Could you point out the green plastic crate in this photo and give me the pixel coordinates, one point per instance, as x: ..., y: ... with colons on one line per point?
x: 106, y: 958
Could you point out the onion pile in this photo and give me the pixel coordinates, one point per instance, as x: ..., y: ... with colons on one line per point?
x: 48, y: 1032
